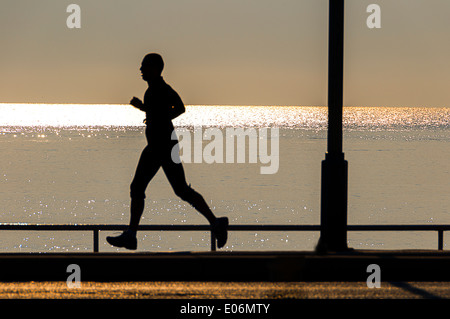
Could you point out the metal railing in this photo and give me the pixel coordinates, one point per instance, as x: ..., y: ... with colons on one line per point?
x: 107, y: 227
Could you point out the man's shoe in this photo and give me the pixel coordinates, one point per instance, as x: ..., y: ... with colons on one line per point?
x: 220, y: 231
x: 125, y: 240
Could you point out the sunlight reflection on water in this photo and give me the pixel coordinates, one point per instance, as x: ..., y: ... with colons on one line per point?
x: 297, y: 117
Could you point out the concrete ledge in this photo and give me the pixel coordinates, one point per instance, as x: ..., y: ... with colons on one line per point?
x: 227, y: 266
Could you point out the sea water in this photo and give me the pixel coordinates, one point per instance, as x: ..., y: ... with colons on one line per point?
x: 72, y: 164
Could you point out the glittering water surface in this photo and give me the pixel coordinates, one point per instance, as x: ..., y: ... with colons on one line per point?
x: 73, y: 164
x: 371, y: 118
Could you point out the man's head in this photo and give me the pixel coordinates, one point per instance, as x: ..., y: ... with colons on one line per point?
x: 152, y: 66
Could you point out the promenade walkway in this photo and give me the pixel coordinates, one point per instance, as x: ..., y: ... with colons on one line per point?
x: 225, y: 290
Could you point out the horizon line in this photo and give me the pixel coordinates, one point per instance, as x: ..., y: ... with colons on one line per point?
x: 230, y: 105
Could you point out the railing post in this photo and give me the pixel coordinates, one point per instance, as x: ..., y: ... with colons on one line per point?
x: 213, y: 242
x: 96, y: 240
x: 440, y: 239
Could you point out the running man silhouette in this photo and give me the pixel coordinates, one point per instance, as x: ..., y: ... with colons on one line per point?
x: 161, y: 105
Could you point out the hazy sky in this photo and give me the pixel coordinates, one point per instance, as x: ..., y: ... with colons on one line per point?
x: 235, y: 52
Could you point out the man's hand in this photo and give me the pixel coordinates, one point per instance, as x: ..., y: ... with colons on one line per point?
x: 137, y: 103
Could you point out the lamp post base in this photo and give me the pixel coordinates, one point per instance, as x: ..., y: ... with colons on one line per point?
x: 333, y: 233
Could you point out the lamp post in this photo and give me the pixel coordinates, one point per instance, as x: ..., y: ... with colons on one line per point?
x: 333, y: 219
